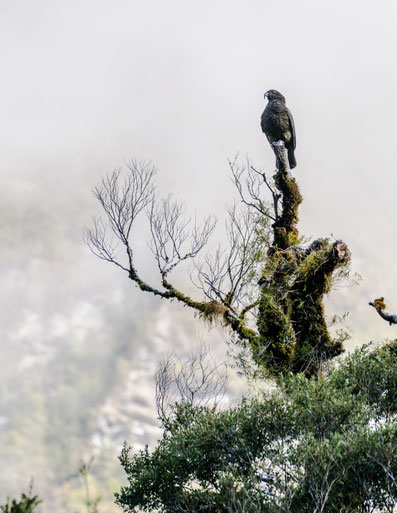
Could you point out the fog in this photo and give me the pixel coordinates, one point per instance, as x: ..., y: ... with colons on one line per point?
x: 87, y: 85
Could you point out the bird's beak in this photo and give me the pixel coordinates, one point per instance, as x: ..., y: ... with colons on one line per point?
x: 265, y: 96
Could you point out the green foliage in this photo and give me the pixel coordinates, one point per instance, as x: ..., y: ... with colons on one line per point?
x: 310, y: 445
x: 26, y: 504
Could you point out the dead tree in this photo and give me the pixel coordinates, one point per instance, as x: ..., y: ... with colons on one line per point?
x: 265, y: 286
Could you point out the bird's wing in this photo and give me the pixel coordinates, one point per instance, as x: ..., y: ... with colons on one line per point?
x: 292, y: 129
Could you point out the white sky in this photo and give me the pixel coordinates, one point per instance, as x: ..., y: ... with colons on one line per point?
x: 88, y: 84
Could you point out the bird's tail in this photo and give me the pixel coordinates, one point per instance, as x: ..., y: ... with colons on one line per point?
x: 291, y: 158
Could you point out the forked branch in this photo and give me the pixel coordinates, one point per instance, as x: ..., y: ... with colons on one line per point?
x: 231, y: 274
x: 122, y: 198
x: 248, y: 182
x: 175, y: 239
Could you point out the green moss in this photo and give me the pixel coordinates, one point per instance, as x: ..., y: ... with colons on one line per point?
x: 314, y: 344
x: 285, y: 237
x: 291, y: 199
x: 312, y: 273
x: 284, y: 229
x: 275, y: 345
x: 293, y: 334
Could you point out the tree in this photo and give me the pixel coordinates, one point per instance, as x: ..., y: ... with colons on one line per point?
x: 325, y: 438
x: 310, y: 445
x: 279, y: 282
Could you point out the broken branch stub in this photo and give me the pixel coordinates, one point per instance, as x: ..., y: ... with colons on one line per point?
x: 380, y: 306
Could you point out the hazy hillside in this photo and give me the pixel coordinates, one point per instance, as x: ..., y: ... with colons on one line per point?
x: 80, y: 347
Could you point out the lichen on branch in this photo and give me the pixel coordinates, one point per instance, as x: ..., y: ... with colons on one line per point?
x: 380, y: 306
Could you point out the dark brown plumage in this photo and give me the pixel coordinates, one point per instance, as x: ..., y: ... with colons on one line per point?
x: 278, y: 124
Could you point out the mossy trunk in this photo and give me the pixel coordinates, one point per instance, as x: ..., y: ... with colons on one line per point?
x: 284, y: 229
x: 293, y: 334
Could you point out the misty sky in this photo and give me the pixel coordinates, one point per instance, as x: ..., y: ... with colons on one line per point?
x: 87, y: 85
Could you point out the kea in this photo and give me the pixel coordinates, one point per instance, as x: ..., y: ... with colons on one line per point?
x: 278, y: 124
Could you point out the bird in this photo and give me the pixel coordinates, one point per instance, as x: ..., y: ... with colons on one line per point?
x: 278, y: 124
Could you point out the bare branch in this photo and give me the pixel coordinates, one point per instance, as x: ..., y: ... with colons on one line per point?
x: 248, y: 182
x: 231, y: 274
x: 175, y: 237
x: 276, y: 196
x: 198, y: 380
x: 99, y: 243
x: 282, y: 160
x: 164, y: 379
x: 121, y: 200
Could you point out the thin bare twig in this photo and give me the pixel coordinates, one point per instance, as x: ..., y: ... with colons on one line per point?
x: 248, y: 182
x: 175, y: 237
x: 198, y: 380
x: 122, y: 198
x: 231, y: 274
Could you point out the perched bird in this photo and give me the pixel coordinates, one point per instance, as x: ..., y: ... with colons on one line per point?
x: 278, y: 124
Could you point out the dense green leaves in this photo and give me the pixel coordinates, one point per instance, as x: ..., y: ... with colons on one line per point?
x: 311, y: 445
